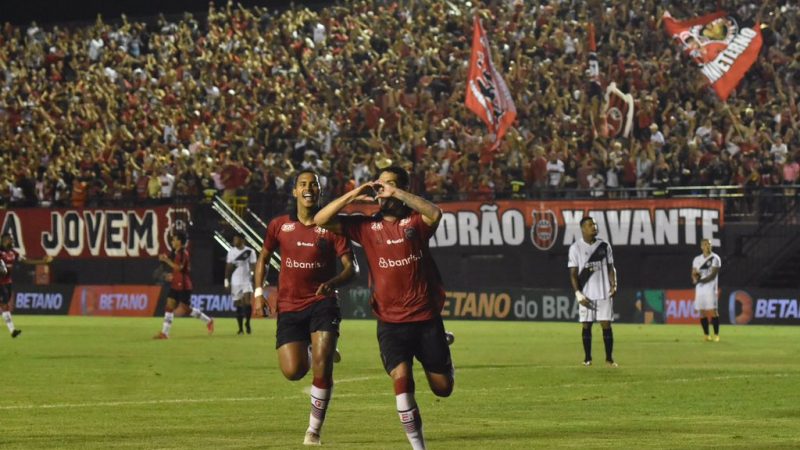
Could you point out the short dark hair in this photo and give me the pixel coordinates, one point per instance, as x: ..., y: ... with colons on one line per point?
x: 586, y: 219
x: 302, y: 171
x: 402, y: 175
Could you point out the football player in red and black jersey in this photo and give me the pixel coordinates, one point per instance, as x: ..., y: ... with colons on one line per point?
x: 8, y: 260
x: 180, y: 288
x: 407, y: 291
x: 307, y: 306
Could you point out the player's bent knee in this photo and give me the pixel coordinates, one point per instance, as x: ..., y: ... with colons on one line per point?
x: 443, y: 389
x: 294, y: 373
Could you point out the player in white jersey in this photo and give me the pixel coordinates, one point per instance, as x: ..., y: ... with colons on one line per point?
x: 705, y: 277
x: 238, y: 272
x: 594, y: 278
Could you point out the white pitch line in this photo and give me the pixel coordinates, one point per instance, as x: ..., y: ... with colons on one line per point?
x: 258, y: 399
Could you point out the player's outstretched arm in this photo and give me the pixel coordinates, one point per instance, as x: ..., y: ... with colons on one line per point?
x: 327, y: 216
x: 35, y: 262
x: 431, y: 214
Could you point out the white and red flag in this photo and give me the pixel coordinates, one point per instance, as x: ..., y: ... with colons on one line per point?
x: 487, y: 93
x: 617, y: 112
x: 724, y: 50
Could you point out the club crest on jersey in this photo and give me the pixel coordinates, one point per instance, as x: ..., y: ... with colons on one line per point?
x: 320, y: 230
x: 410, y: 233
x: 405, y: 221
x: 287, y: 227
x: 544, y: 229
x: 376, y: 226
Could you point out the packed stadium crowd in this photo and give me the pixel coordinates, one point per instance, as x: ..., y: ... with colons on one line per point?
x: 236, y: 99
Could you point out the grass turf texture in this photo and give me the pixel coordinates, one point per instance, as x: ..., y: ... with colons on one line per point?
x: 75, y: 382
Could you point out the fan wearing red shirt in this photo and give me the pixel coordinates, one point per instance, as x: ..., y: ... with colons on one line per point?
x: 308, y: 309
x: 8, y: 259
x: 407, y: 291
x: 180, y: 289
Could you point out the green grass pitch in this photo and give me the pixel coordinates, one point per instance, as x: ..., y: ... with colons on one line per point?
x: 88, y: 382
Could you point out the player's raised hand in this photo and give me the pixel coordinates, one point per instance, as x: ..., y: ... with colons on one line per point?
x: 365, y: 193
x: 384, y: 190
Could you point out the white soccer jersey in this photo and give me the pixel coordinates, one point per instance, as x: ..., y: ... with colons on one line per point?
x: 704, y: 265
x: 244, y: 260
x: 598, y: 285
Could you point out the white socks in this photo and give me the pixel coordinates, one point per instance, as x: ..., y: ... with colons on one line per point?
x: 197, y: 313
x: 167, y: 323
x: 319, y: 406
x: 8, y: 321
x: 411, y: 420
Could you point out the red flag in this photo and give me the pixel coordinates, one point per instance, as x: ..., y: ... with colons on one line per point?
x: 723, y: 50
x: 617, y: 112
x: 487, y: 93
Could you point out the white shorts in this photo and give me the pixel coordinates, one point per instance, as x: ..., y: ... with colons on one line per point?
x: 601, y: 311
x: 240, y: 290
x: 705, y: 301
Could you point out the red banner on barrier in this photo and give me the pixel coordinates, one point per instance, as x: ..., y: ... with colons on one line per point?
x: 679, y: 306
x: 88, y: 233
x: 546, y: 224
x: 116, y: 300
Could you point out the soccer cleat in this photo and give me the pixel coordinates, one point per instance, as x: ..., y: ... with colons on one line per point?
x: 449, y: 337
x: 240, y: 333
x: 611, y: 363
x: 249, y: 331
x: 337, y: 356
x: 708, y: 338
x: 161, y: 336
x: 16, y: 333
x: 311, y: 439
x: 587, y: 363
x: 210, y: 326
x: 716, y: 338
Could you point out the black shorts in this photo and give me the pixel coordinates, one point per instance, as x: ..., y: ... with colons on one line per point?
x: 5, y: 294
x: 295, y: 326
x: 181, y: 296
x: 402, y: 342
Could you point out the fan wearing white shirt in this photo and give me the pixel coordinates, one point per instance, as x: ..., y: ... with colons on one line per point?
x: 594, y: 278
x: 240, y: 261
x: 705, y: 277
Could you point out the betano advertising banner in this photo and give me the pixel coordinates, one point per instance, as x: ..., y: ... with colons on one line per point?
x: 93, y: 233
x: 760, y: 306
x: 44, y: 300
x: 115, y: 300
x: 670, y: 306
x: 546, y: 225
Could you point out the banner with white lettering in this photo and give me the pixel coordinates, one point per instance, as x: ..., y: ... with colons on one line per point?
x: 94, y: 233
x: 115, y: 300
x: 757, y: 306
x: 519, y: 304
x: 42, y: 300
x: 722, y: 48
x: 554, y: 225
